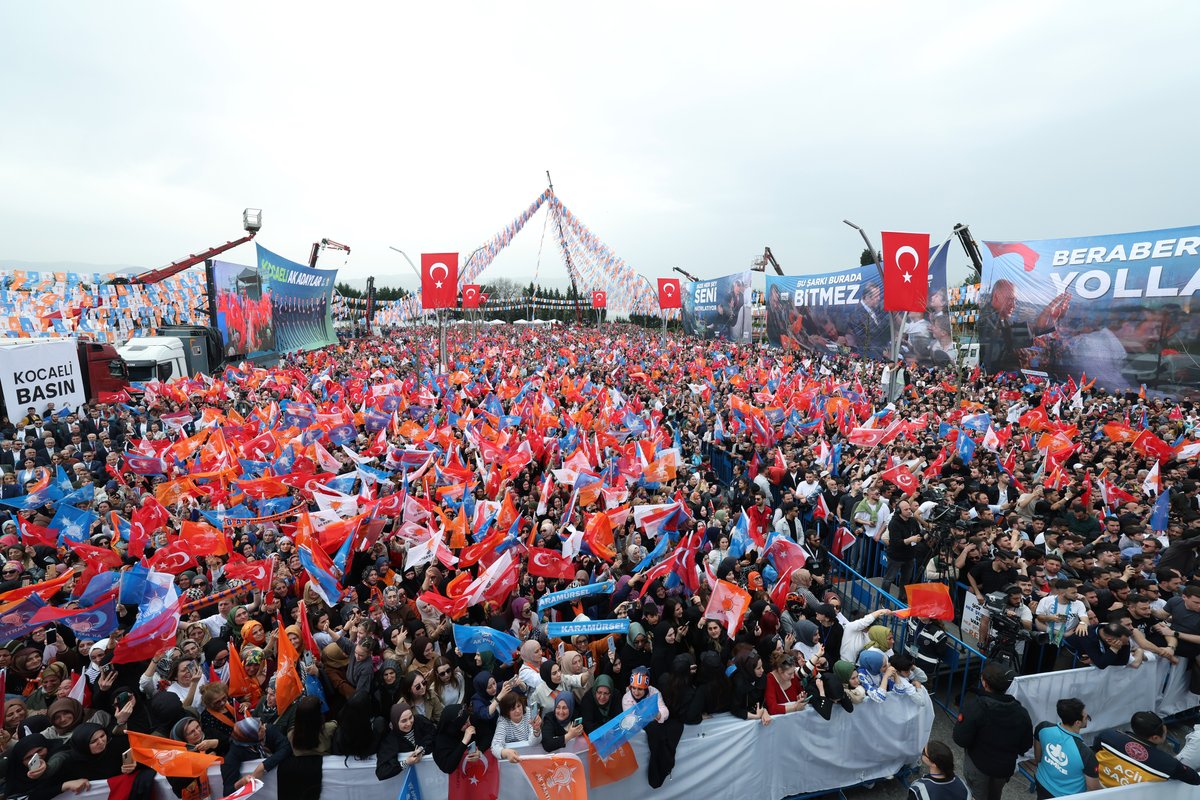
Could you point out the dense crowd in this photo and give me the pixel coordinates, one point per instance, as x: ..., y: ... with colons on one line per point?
x: 332, y: 528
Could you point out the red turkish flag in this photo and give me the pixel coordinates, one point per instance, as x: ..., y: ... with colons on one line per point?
x: 550, y: 564
x: 905, y: 271
x: 599, y: 299
x: 668, y: 293
x: 471, y: 295
x: 477, y: 779
x: 902, y: 476
x: 439, y: 280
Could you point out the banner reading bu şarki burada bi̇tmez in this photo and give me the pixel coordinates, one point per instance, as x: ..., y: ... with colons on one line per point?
x: 838, y: 312
x: 720, y: 308
x: 1120, y: 308
x: 301, y: 307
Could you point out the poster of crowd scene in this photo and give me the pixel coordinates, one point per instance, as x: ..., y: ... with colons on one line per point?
x: 842, y: 312
x: 1118, y: 307
x: 720, y: 308
x: 243, y: 310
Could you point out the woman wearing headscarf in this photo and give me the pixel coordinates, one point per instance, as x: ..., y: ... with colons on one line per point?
x: 808, y: 642
x: 874, y: 674
x: 600, y: 704
x: 575, y: 675
x: 454, y: 733
x: 748, y: 700
x: 47, y: 690
x: 880, y: 638
x: 851, y: 684
x: 424, y: 656
x: 485, y: 704
x: 188, y: 731
x: 65, y: 715
x: 409, y: 733
x: 334, y: 662
x: 94, y: 755
x: 257, y: 669
x: 666, y: 646
x: 685, y: 707
x: 216, y: 660
x: 253, y: 740
x: 543, y: 697
x: 714, y: 685
x: 14, y: 721
x: 359, y: 728
x: 25, y: 782
x: 23, y: 674
x: 636, y: 651
x: 386, y: 689
x: 558, y: 724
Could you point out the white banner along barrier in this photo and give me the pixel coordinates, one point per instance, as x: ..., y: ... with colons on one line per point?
x: 721, y: 757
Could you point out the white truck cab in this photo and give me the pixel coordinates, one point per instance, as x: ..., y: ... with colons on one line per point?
x: 154, y: 358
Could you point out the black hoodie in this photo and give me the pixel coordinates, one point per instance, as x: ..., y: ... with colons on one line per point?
x: 995, y: 730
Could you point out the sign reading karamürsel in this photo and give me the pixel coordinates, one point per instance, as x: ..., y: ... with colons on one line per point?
x: 38, y: 374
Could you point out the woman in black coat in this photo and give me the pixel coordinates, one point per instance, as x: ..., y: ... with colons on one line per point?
x: 410, y: 734
x: 455, y: 732
x: 748, y: 700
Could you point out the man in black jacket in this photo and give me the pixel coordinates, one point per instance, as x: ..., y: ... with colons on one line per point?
x: 994, y: 730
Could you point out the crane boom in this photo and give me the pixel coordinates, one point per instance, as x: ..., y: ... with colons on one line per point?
x: 175, y: 267
x: 320, y: 246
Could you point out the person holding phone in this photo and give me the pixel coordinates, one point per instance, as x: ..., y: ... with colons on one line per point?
x: 515, y: 728
x: 559, y: 725
x: 406, y: 742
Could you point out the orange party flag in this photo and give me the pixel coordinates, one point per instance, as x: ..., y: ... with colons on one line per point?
x: 288, y: 686
x: 558, y: 776
x: 240, y: 684
x: 168, y: 757
x: 618, y: 766
x: 929, y: 601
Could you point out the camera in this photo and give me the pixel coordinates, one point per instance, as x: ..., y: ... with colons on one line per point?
x: 1004, y: 624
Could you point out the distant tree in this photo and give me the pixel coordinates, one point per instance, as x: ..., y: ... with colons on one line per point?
x: 865, y: 258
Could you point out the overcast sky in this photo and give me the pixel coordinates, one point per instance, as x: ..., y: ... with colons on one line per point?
x: 687, y: 134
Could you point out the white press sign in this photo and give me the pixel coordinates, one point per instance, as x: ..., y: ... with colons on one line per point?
x: 39, y: 373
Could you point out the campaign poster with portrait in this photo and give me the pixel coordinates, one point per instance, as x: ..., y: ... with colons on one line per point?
x: 720, y: 308
x: 829, y: 313
x: 301, y: 302
x: 1117, y: 307
x: 842, y: 312
x: 243, y: 310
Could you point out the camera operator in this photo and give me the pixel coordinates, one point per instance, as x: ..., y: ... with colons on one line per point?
x: 1008, y: 616
x: 904, y: 536
x: 994, y: 575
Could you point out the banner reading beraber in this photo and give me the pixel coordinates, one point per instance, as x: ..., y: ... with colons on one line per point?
x: 1118, y: 307
x: 38, y: 374
x: 301, y: 302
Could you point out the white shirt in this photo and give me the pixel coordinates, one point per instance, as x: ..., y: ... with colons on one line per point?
x: 1075, y: 611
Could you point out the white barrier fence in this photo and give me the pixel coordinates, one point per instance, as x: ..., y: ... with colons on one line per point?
x: 1170, y: 790
x: 1111, y: 695
x: 720, y: 758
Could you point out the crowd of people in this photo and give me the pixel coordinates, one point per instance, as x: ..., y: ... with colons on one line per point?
x: 331, y: 527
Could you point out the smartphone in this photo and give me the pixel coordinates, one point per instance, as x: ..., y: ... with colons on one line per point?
x: 579, y: 721
x: 51, y: 636
x: 127, y: 757
x: 472, y: 748
x: 561, y: 649
x: 35, y: 762
x: 612, y: 649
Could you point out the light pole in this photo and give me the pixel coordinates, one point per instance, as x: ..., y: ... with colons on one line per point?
x: 654, y: 292
x: 441, y: 338
x: 897, y: 323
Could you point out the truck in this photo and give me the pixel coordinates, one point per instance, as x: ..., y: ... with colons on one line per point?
x: 100, y: 367
x: 176, y: 351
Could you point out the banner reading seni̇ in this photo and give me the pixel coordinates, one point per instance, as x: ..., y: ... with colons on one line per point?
x: 719, y: 308
x: 843, y: 312
x: 1119, y: 307
x: 300, y: 302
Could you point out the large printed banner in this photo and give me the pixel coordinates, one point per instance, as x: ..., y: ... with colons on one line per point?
x: 301, y: 301
x: 36, y: 375
x: 839, y: 312
x: 720, y: 308
x: 1118, y: 307
x: 243, y: 310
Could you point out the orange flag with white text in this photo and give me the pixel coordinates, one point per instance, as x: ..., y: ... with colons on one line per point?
x: 557, y: 776
x: 169, y: 757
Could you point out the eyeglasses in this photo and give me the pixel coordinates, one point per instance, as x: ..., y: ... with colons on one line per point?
x: 443, y: 673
